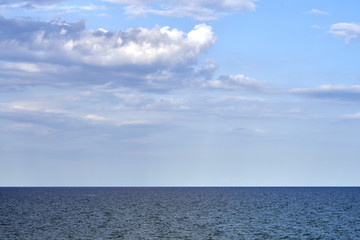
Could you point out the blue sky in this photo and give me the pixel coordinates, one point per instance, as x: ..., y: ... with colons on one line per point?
x: 179, y: 93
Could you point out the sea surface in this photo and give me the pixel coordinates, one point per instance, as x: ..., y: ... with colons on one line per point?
x: 180, y: 213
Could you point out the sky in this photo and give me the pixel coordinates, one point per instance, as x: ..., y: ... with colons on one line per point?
x: 179, y: 93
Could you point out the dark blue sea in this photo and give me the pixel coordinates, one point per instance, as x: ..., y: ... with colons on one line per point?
x: 180, y: 213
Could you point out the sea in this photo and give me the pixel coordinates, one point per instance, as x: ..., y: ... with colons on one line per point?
x: 180, y: 213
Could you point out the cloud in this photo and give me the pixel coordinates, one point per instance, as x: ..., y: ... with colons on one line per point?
x: 30, y: 106
x: 346, y: 31
x: 59, y: 41
x: 6, y: 5
x: 73, y: 8
x: 249, y: 132
x: 48, y: 6
x: 315, y: 26
x: 237, y: 99
x: 30, y: 128
x: 230, y: 106
x: 147, y: 102
x: 94, y: 117
x: 336, y: 92
x: 316, y: 12
x: 202, y: 10
x: 236, y: 82
x: 35, y: 2
x: 51, y: 119
x: 60, y: 52
x: 355, y: 116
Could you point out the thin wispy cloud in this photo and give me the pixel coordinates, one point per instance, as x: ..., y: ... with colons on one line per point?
x: 198, y: 9
x: 236, y: 82
x: 337, y: 92
x: 315, y: 26
x: 35, y: 2
x: 249, y: 132
x: 354, y: 116
x: 316, y: 12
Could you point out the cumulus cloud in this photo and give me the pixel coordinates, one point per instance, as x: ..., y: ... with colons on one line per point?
x: 346, y: 31
x: 136, y: 57
x: 316, y: 12
x: 61, y: 41
x: 337, y: 92
x: 236, y: 82
x: 199, y: 9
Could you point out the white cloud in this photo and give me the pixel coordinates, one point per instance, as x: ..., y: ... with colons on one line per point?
x: 236, y: 82
x: 315, y: 26
x: 30, y: 128
x: 54, y: 52
x: 339, y: 92
x: 41, y: 117
x: 229, y: 98
x: 135, y: 46
x: 94, y: 117
x: 152, y: 103
x: 65, y: 9
x: 45, y: 5
x: 90, y: 7
x: 115, y: 121
x: 27, y: 67
x: 355, y: 116
x: 250, y: 132
x: 9, y: 5
x: 199, y: 14
x: 22, y: 66
x: 294, y: 110
x: 316, y: 12
x: 199, y: 9
x: 40, y: 2
x: 30, y: 106
x: 328, y: 89
x: 100, y: 47
x: 346, y: 31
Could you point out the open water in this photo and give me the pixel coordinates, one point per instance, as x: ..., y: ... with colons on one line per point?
x: 179, y: 213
